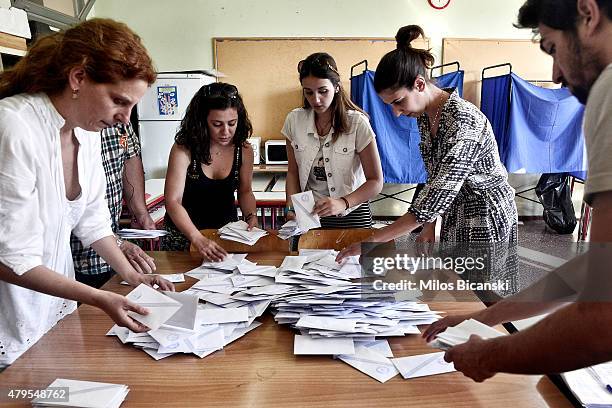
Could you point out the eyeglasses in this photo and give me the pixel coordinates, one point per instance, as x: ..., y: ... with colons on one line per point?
x: 319, y: 62
x: 216, y: 90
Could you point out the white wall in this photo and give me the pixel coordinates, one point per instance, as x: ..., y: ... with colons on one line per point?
x: 178, y: 33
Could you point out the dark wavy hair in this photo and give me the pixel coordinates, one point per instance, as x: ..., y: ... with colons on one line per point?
x: 108, y: 50
x: 322, y: 65
x: 193, y: 132
x: 556, y: 14
x: 400, y: 67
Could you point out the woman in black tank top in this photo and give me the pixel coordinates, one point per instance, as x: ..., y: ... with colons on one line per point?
x: 209, y: 161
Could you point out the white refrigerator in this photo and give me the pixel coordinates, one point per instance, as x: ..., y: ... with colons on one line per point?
x: 159, y: 116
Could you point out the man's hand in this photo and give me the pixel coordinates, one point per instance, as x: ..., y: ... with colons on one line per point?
x: 142, y: 262
x: 438, y: 327
x: 469, y: 358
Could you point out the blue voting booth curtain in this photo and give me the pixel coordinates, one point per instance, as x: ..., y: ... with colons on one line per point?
x: 397, y: 137
x: 495, y: 104
x: 451, y: 80
x: 544, y: 130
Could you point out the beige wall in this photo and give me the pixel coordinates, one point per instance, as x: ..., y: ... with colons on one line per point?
x: 179, y: 33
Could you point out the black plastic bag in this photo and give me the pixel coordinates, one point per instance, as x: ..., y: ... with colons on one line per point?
x: 553, y: 191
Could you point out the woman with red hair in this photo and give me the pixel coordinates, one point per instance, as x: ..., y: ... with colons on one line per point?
x: 53, y: 105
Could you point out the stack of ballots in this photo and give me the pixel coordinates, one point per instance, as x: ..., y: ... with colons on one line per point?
x: 305, y: 218
x: 290, y: 229
x: 237, y: 283
x: 339, y: 316
x: 179, y: 324
x: 238, y: 231
x: 73, y: 393
x: 461, y: 333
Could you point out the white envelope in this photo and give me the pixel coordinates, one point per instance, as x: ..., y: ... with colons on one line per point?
x: 261, y: 270
x: 239, y: 332
x: 222, y: 315
x: 210, y: 337
x: 87, y: 394
x: 185, y: 317
x: 371, y: 363
x: 306, y: 345
x: 167, y: 336
x: 292, y: 263
x: 157, y: 356
x: 423, y: 365
x: 326, y: 323
x: 380, y: 346
x: 160, y: 306
x: 173, y: 277
x: 303, y: 205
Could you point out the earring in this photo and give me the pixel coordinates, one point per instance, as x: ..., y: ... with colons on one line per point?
x: 75, y: 94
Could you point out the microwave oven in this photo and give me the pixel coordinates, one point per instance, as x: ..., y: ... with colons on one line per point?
x: 276, y: 152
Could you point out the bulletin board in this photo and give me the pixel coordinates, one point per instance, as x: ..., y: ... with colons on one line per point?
x: 528, y: 61
x: 265, y: 71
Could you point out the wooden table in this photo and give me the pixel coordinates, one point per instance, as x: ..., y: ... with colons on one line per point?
x: 258, y: 370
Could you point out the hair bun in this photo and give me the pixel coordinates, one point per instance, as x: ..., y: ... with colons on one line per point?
x: 407, y: 34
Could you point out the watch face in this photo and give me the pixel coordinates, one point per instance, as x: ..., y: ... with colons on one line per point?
x: 438, y: 4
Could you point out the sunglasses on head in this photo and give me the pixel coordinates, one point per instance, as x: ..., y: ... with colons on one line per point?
x: 215, y: 90
x: 304, y: 66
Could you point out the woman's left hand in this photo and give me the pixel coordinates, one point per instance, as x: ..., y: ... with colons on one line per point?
x: 327, y: 206
x: 252, y: 221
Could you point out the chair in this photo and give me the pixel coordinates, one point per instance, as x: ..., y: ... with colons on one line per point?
x: 333, y: 238
x: 269, y: 243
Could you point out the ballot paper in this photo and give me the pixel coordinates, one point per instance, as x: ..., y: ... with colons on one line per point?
x: 223, y: 315
x: 371, y: 363
x: 422, y: 365
x: 290, y: 229
x: 160, y: 306
x: 307, y: 345
x: 590, y: 385
x: 238, y: 231
x: 173, y: 277
x: 461, y: 333
x: 130, y: 233
x: 87, y: 394
x: 380, y: 346
x: 303, y: 205
x: 185, y: 317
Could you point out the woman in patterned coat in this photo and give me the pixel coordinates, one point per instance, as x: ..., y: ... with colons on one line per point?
x: 467, y: 184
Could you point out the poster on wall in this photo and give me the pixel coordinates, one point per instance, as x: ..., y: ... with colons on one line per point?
x: 167, y: 100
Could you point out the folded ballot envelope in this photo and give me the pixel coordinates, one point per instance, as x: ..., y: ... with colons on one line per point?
x: 161, y: 307
x: 84, y: 394
x: 303, y: 205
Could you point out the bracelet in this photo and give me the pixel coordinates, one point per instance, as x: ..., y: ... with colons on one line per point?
x: 345, y: 202
x: 248, y: 217
x: 288, y: 209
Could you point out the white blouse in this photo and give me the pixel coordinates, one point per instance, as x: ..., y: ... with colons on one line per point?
x: 36, y: 218
x: 340, y: 158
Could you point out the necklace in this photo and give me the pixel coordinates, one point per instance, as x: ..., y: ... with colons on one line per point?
x: 323, y: 130
x: 435, y: 120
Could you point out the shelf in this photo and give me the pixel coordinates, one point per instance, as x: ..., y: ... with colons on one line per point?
x: 270, y: 168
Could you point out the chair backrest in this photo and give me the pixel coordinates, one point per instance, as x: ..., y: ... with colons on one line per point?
x: 333, y: 238
x: 269, y: 243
